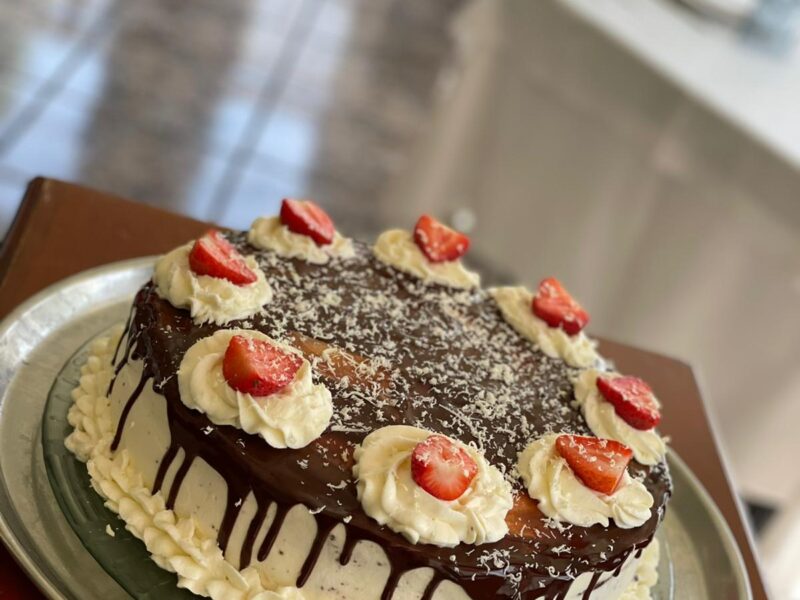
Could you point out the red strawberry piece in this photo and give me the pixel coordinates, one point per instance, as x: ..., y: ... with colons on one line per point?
x: 213, y: 255
x: 257, y: 367
x: 442, y: 468
x: 633, y: 400
x: 438, y: 242
x: 598, y: 463
x: 307, y: 218
x: 554, y: 305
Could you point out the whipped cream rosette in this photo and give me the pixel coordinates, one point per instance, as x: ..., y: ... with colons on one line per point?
x: 649, y: 448
x: 576, y: 350
x: 210, y: 295
x: 390, y: 495
x: 290, y: 417
x: 432, y: 252
x: 564, y: 496
x: 269, y: 233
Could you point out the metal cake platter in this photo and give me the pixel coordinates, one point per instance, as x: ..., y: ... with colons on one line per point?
x: 700, y: 559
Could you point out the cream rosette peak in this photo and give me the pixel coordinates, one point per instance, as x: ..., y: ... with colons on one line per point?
x: 209, y: 299
x: 564, y: 497
x: 396, y: 248
x: 389, y: 494
x: 292, y: 417
x: 269, y: 233
x: 649, y: 448
x: 515, y: 304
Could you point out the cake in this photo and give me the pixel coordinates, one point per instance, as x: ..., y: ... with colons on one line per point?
x: 288, y: 413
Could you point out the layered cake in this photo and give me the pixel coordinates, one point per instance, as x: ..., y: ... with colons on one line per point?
x: 288, y: 413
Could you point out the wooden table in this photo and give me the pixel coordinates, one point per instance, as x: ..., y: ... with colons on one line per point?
x: 62, y: 229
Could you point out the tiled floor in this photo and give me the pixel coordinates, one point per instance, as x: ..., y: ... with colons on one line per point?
x: 216, y: 109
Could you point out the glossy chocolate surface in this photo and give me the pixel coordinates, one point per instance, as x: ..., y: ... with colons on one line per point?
x: 406, y: 353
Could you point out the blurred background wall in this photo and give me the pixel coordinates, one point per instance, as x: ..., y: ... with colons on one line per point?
x: 644, y: 152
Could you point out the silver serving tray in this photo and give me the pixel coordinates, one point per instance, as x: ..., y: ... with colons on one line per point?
x: 700, y: 558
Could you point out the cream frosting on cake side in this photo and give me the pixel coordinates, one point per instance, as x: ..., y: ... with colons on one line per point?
x: 209, y: 299
x: 515, y: 305
x: 649, y: 448
x: 397, y: 249
x: 268, y: 233
x: 289, y: 418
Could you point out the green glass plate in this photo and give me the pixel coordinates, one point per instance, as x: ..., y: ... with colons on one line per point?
x: 123, y: 556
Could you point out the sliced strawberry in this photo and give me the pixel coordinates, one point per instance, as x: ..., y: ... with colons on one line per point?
x: 257, y: 367
x: 554, y: 305
x: 442, y: 468
x: 633, y: 400
x: 213, y: 255
x: 307, y: 218
x: 438, y: 242
x: 599, y: 463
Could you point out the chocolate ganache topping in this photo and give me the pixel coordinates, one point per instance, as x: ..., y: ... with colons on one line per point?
x: 392, y: 350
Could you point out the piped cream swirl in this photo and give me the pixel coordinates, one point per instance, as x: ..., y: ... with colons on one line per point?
x: 268, y: 233
x: 391, y: 497
x: 397, y: 249
x: 564, y: 497
x: 648, y: 447
x: 515, y: 305
x: 290, y: 418
x: 209, y: 299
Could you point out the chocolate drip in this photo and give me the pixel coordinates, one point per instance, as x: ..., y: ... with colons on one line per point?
x: 252, y: 531
x: 164, y: 465
x: 592, y: 585
x: 176, y: 485
x: 430, y: 589
x: 127, y: 408
x: 324, y: 528
x: 312, y: 475
x: 621, y: 564
x: 126, y: 330
x: 273, y: 531
x: 557, y: 590
x: 347, y: 550
x: 391, y: 583
x: 233, y: 506
x: 125, y: 357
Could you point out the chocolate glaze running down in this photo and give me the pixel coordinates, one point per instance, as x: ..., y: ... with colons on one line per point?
x: 405, y: 353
